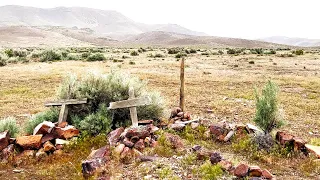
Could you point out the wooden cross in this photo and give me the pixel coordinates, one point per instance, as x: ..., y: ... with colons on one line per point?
x: 131, y: 103
x: 64, y: 106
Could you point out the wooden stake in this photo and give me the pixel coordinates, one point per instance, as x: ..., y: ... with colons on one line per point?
x: 182, y: 106
x: 133, y: 110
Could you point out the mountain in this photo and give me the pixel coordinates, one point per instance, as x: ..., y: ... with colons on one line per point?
x: 302, y: 42
x: 103, y: 22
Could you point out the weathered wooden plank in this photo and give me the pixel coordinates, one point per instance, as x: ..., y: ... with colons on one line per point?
x: 182, y: 101
x: 63, y: 113
x: 130, y: 103
x: 133, y: 110
x: 67, y: 102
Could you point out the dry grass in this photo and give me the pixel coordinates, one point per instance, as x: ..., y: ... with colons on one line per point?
x: 211, y: 83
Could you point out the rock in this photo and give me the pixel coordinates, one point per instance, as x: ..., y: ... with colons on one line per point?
x: 17, y: 170
x: 175, y: 111
x: 114, y: 136
x: 174, y: 140
x: 127, y: 155
x: 217, y: 130
x: 139, y: 145
x: 196, y: 148
x: 215, y: 158
x: 205, y: 122
x: 59, y: 146
x: 134, y: 139
x: 118, y: 150
x: 201, y: 155
x: 58, y: 152
x: 48, y: 147
x: 95, y: 161
x: 12, y: 140
x: 226, y: 165
x: 29, y: 142
x: 255, y: 171
x: 145, y: 122
x: 61, y: 142
x: 127, y: 143
x: 253, y: 129
x: 154, y: 144
x: 228, y: 136
x: 313, y: 149
x: 41, y: 154
x: 241, y: 170
x: 177, y: 126
x: 24, y: 156
x: 187, y: 116
x: 43, y: 128
x: 284, y: 138
x: 299, y: 144
x: 152, y: 128
x: 4, y: 140
x: 140, y: 131
x: 147, y: 158
x: 66, y: 132
x: 99, y: 153
x: 147, y: 142
x: 136, y: 152
x: 62, y: 124
x: 8, y: 152
x: 194, y: 125
x: 241, y: 131
x: 266, y: 174
x: 47, y: 137
x: 180, y: 114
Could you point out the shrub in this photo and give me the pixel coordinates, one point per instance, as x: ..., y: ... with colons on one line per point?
x: 35, y: 55
x: 298, y: 52
x: 51, y: 115
x: 134, y: 53
x: 50, y: 55
x: 158, y: 55
x: 180, y: 55
x: 103, y: 89
x: 173, y: 51
x: 72, y: 57
x: 210, y: 172
x: 96, y: 123
x: 9, y: 52
x: 20, y: 53
x: 192, y: 51
x: 3, y: 62
x: 64, y: 54
x: 267, y: 114
x: 96, y: 57
x: 220, y: 52
x: 85, y: 55
x: 9, y: 124
x: 231, y: 51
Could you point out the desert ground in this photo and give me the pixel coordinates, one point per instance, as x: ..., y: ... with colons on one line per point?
x: 218, y: 87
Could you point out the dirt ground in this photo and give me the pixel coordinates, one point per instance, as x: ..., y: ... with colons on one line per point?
x: 222, y: 83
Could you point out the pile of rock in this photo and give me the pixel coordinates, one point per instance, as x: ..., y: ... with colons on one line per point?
x: 179, y: 119
x: 47, y: 138
x: 240, y: 171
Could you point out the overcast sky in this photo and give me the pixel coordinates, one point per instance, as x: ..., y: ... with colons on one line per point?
x: 230, y: 18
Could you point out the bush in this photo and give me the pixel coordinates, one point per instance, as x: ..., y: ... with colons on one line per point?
x: 50, y: 55
x: 192, y: 51
x: 210, y: 172
x: 134, y: 53
x: 180, y: 55
x: 72, y: 57
x: 220, y: 52
x: 173, y: 51
x: 3, y: 62
x: 103, y: 89
x: 9, y: 52
x: 298, y: 52
x: 85, y: 55
x: 17, y: 53
x: 96, y: 123
x: 96, y: 57
x: 51, y: 115
x: 267, y: 114
x: 9, y: 124
x: 231, y: 51
x: 35, y: 55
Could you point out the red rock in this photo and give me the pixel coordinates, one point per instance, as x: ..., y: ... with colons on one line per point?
x: 201, y: 155
x: 187, y: 116
x: 4, y: 140
x: 140, y: 131
x: 175, y: 111
x: 313, y: 149
x: 180, y: 114
x: 136, y: 152
x: 139, y: 145
x: 128, y: 143
x: 152, y: 128
x: 215, y: 158
x: 217, y: 130
x: 266, y: 174
x: 298, y: 144
x: 101, y: 152
x: 174, y: 140
x: 8, y: 152
x: 134, y: 139
x: 96, y: 161
x: 12, y: 140
x: 196, y: 148
x: 118, y: 150
x: 225, y: 165
x: 126, y: 153
x: 145, y: 122
x: 241, y: 170
x: 43, y: 128
x: 29, y: 142
x: 59, y: 146
x: 177, y: 126
x: 154, y: 144
x: 114, y: 136
x: 41, y: 154
x: 48, y: 147
x: 255, y: 171
x: 47, y: 137
x: 66, y: 132
x: 62, y: 124
x: 241, y: 131
x: 284, y: 138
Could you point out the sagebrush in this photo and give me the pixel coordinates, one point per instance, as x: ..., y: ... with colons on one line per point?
x: 9, y: 124
x: 51, y: 115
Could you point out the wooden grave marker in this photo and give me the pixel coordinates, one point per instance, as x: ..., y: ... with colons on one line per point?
x: 64, y: 106
x: 132, y: 104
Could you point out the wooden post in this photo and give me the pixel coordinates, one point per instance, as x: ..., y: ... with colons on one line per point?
x: 133, y: 110
x: 63, y: 113
x: 182, y: 105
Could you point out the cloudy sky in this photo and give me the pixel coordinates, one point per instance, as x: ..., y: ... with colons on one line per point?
x: 230, y: 18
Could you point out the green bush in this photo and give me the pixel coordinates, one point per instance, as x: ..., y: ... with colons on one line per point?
x: 72, y: 57
x: 210, y: 172
x: 49, y: 55
x: 231, y: 51
x: 96, y: 57
x: 18, y: 53
x: 85, y: 55
x: 298, y: 52
x: 9, y: 124
x: 267, y: 114
x: 134, y: 53
x: 3, y: 62
x: 35, y: 55
x: 96, y: 123
x: 173, y: 51
x: 220, y: 52
x: 103, y: 89
x: 192, y: 51
x: 180, y: 55
x: 51, y: 115
x: 9, y: 52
